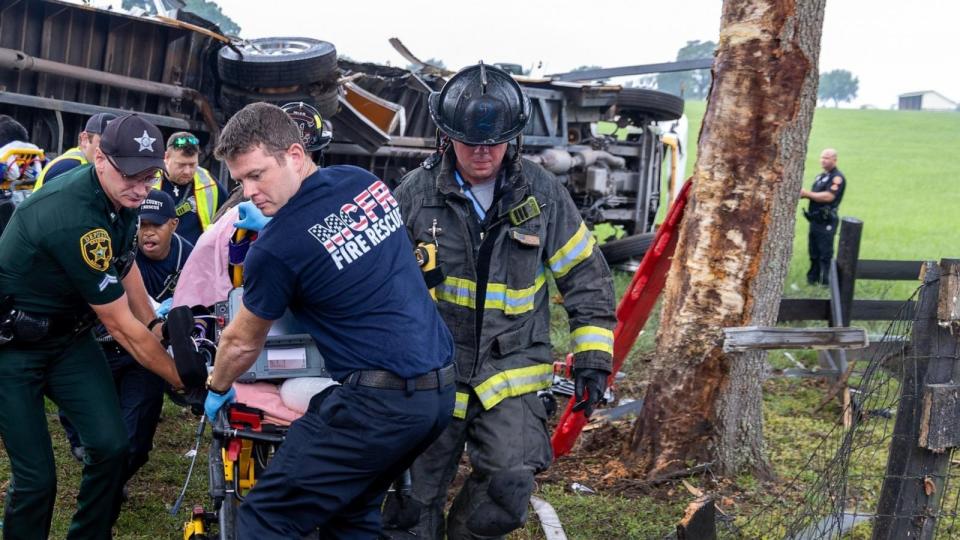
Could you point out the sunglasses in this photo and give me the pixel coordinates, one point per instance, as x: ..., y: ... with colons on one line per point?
x: 189, y: 140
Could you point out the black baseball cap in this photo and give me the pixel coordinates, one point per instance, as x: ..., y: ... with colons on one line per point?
x: 157, y: 208
x: 98, y: 122
x: 132, y: 145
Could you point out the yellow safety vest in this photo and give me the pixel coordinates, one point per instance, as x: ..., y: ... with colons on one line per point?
x: 74, y: 153
x: 205, y: 190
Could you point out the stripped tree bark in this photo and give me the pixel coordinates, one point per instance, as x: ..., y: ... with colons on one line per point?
x: 735, y: 242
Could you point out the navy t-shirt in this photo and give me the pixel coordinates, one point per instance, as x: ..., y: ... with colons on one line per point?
x: 338, y: 255
x: 160, y: 277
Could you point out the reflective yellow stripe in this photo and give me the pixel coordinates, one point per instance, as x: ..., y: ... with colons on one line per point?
x: 460, y: 407
x: 592, y: 338
x: 74, y: 153
x: 463, y: 292
x: 514, y: 301
x: 205, y: 193
x: 459, y: 291
x: 577, y: 249
x: 205, y: 189
x: 513, y: 383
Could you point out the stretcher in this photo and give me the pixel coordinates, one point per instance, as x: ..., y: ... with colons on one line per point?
x: 241, y: 448
x: 246, y: 434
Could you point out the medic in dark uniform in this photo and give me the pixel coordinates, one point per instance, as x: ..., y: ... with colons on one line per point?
x: 825, y: 196
x: 337, y: 255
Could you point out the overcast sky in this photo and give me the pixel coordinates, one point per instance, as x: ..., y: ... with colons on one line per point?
x: 892, y: 46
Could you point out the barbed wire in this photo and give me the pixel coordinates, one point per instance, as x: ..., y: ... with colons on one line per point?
x: 837, y: 491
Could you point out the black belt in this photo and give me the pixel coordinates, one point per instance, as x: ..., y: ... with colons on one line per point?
x: 28, y: 327
x: 376, y: 378
x: 113, y: 349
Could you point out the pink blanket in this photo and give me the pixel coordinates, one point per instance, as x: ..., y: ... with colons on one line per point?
x: 205, y: 278
x: 266, y: 396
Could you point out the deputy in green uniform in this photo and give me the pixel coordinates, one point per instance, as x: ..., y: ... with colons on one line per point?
x: 65, y: 260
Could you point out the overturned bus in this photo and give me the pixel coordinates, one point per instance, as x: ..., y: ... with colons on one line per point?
x: 617, y: 150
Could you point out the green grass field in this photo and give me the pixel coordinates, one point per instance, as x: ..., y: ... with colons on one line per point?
x: 904, y: 183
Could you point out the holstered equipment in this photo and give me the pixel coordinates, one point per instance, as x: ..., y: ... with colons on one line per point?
x: 26, y: 327
x: 426, y: 255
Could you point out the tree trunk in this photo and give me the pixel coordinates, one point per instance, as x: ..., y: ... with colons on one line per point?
x: 735, y: 241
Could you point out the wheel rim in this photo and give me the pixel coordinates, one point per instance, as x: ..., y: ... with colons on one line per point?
x: 275, y: 47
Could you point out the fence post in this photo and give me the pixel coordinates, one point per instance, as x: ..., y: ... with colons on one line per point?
x: 914, y: 481
x: 843, y: 278
x: 848, y: 252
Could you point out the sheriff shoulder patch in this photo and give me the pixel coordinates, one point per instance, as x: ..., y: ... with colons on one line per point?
x: 96, y: 249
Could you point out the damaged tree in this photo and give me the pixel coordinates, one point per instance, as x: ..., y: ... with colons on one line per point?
x: 735, y: 242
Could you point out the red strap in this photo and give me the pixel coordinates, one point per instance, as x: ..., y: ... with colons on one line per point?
x: 632, y: 313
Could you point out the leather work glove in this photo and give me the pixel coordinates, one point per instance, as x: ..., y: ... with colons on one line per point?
x: 549, y: 402
x: 594, y: 382
x: 251, y: 218
x: 215, y: 402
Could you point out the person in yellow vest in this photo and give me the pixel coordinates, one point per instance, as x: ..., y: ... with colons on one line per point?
x: 193, y: 188
x: 79, y: 155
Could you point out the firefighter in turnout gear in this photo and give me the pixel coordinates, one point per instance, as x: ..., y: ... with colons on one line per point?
x: 825, y: 197
x: 499, y: 224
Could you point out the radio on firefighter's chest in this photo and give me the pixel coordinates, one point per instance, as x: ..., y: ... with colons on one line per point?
x: 185, y: 207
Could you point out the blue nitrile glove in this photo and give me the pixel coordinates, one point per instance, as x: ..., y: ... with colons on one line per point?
x: 164, y: 308
x: 215, y: 402
x: 251, y: 218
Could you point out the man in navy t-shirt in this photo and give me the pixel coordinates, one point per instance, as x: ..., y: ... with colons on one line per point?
x: 162, y: 252
x: 336, y: 254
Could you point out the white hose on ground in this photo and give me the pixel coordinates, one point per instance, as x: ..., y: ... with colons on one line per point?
x: 549, y: 520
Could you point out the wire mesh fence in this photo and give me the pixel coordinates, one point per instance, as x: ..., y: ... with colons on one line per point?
x: 868, y: 477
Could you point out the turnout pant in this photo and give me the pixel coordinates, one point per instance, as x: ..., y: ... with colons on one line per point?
x: 820, y: 247
x: 338, y: 460
x: 73, y: 373
x: 141, y: 401
x: 507, y: 446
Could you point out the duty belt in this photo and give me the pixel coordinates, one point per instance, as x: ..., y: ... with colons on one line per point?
x: 376, y: 378
x: 28, y: 327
